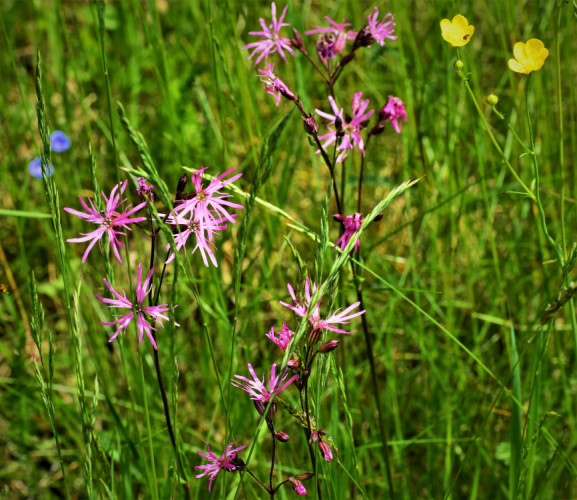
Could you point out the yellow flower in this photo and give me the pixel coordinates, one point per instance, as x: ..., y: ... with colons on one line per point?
x: 457, y: 32
x: 529, y: 56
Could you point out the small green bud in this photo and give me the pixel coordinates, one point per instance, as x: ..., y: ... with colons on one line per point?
x: 492, y: 100
x: 459, y: 65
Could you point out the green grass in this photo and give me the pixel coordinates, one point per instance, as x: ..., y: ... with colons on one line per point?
x: 477, y: 394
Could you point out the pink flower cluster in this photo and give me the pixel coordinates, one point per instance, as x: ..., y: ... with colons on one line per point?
x: 347, y: 133
x: 302, y: 305
x: 202, y: 214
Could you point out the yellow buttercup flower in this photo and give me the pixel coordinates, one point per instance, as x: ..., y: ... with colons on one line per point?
x: 457, y: 32
x: 529, y: 56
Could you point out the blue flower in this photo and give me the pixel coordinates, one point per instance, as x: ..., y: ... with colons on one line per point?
x: 59, y: 141
x: 35, y: 168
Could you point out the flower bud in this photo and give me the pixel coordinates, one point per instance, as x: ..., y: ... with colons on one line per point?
x: 377, y: 129
x: 298, y: 486
x: 314, y: 335
x: 378, y: 217
x: 329, y: 346
x: 305, y: 476
x: 180, y: 187
x: 310, y: 124
x: 338, y: 124
x: 459, y: 65
x: 325, y: 450
x: 492, y: 100
x: 260, y: 406
x: 281, y: 436
x: 293, y: 364
x: 238, y: 464
x: 297, y: 42
x: 363, y: 39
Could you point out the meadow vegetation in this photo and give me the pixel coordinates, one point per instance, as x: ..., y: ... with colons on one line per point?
x: 460, y: 378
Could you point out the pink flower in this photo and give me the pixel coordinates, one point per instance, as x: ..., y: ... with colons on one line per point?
x: 271, y: 41
x: 352, y: 129
x: 321, y: 324
x: 257, y: 389
x: 394, y: 111
x: 274, y: 85
x: 352, y: 224
x: 340, y: 35
x: 109, y: 221
x: 298, y: 486
x: 144, y: 190
x: 203, y: 230
x: 216, y: 464
x: 384, y: 29
x: 284, y: 338
x: 208, y: 202
x: 137, y: 309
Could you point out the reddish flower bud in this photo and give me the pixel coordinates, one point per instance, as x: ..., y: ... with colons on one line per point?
x: 260, y: 406
x: 305, y: 476
x: 298, y: 486
x: 329, y: 346
x: 281, y: 436
x: 297, y: 42
x: 310, y: 124
x: 326, y: 451
x: 377, y: 129
x: 293, y: 364
x: 180, y: 187
x: 314, y: 336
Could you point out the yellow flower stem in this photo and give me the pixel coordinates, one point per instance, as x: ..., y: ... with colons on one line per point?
x: 548, y: 237
x: 510, y: 127
x: 535, y: 196
x: 530, y: 193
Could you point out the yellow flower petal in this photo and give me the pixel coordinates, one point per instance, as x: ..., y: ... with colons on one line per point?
x: 533, y: 47
x: 460, y: 21
x: 529, y: 56
x: 516, y: 67
x: 457, y: 32
x: 519, y: 51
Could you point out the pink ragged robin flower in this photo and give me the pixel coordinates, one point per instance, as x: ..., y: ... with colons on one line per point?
x: 203, y: 230
x: 284, y: 337
x: 217, y: 463
x: 138, y: 310
x: 352, y: 224
x: 144, y: 190
x: 109, y: 220
x: 208, y: 202
x: 380, y: 31
x: 339, y: 33
x: 351, y: 129
x: 270, y: 41
x: 394, y: 111
x: 257, y: 389
x: 301, y: 308
x: 274, y: 85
